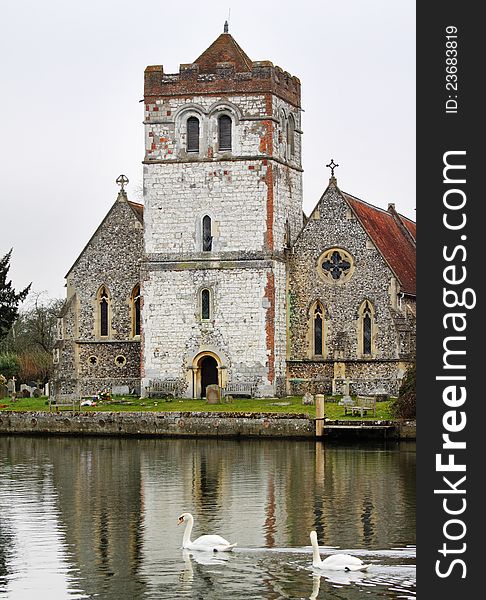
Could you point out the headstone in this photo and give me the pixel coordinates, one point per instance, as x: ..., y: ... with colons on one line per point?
x: 37, y: 393
x: 120, y: 390
x: 347, y: 383
x: 346, y: 401
x: 307, y: 399
x: 3, y: 391
x: 213, y: 394
x: 11, y: 385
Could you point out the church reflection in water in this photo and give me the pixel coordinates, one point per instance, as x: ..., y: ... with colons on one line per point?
x: 118, y: 499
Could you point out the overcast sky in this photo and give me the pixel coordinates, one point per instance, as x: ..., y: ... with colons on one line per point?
x: 71, y: 121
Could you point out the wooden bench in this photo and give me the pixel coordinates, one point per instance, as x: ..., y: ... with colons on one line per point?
x: 362, y: 406
x: 240, y: 388
x: 70, y: 403
x: 162, y: 387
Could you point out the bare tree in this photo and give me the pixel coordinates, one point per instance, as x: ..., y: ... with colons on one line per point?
x: 36, y: 327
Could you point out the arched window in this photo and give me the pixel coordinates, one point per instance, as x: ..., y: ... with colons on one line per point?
x: 291, y: 135
x: 136, y: 311
x: 366, y: 328
x: 205, y: 304
x: 103, y: 311
x: 207, y: 238
x: 224, y: 132
x: 367, y: 331
x: 318, y: 330
x: 193, y: 134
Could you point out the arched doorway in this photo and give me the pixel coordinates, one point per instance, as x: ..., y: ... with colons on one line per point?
x: 209, y: 373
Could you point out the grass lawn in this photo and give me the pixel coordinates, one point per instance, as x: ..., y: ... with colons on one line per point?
x: 281, y: 405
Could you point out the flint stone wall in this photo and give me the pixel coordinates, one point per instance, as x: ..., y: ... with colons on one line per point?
x: 333, y: 225
x: 111, y: 258
x: 189, y: 424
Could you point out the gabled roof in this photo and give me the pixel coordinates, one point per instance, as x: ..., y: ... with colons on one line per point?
x: 122, y: 197
x: 224, y: 49
x: 393, y: 236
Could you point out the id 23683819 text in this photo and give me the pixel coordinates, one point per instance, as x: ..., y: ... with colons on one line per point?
x: 451, y: 68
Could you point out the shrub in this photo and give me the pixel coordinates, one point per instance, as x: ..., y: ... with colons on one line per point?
x: 404, y: 407
x: 9, y: 364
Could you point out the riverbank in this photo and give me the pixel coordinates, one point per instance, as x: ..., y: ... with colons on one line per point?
x: 196, y: 424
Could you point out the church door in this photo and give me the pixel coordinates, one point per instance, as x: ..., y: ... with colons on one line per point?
x: 209, y: 373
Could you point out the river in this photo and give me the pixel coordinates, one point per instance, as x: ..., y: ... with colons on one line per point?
x: 97, y: 518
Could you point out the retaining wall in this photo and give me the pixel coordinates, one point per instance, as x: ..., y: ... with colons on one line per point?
x: 158, y: 424
x: 192, y: 424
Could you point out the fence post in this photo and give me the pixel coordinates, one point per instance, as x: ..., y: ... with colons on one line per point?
x: 319, y: 415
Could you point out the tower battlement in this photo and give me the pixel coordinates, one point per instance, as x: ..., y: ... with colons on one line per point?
x: 222, y: 69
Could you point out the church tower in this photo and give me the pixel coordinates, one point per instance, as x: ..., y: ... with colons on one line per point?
x: 223, y: 202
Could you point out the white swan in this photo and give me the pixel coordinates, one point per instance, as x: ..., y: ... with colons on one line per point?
x: 207, y: 543
x: 335, y: 562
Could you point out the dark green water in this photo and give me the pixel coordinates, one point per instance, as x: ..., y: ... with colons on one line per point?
x: 97, y: 518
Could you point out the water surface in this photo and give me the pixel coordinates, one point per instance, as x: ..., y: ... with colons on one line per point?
x: 97, y: 518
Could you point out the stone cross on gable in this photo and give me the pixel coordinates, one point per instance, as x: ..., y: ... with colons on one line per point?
x: 122, y: 181
x: 332, y: 165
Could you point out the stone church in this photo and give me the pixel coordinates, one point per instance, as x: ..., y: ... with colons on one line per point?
x: 219, y: 277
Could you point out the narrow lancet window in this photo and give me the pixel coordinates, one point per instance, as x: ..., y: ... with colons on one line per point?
x: 318, y: 331
x: 367, y: 326
x: 136, y: 310
x: 206, y: 234
x: 205, y: 305
x: 103, y: 308
x: 224, y: 123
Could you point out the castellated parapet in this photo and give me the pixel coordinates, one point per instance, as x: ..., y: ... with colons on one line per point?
x: 262, y: 78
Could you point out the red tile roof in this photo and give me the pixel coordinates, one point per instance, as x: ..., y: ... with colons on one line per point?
x: 410, y: 225
x: 224, y: 49
x: 391, y: 233
x: 137, y: 209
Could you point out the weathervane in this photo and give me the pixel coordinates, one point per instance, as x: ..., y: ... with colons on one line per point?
x: 122, y: 181
x: 332, y: 165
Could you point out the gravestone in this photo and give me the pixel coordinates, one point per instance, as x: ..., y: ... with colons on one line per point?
x: 213, y: 394
x: 307, y: 399
x: 3, y: 391
x: 120, y: 390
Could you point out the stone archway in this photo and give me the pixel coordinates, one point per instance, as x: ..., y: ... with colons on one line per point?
x: 209, y: 373
x: 206, y: 370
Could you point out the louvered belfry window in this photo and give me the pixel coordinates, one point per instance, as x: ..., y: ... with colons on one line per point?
x: 193, y: 134
x: 291, y: 135
x: 224, y: 132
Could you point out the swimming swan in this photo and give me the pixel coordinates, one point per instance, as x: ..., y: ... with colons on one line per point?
x: 208, y: 543
x: 335, y: 562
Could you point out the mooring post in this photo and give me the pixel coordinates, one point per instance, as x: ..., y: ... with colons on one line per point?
x: 319, y: 415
